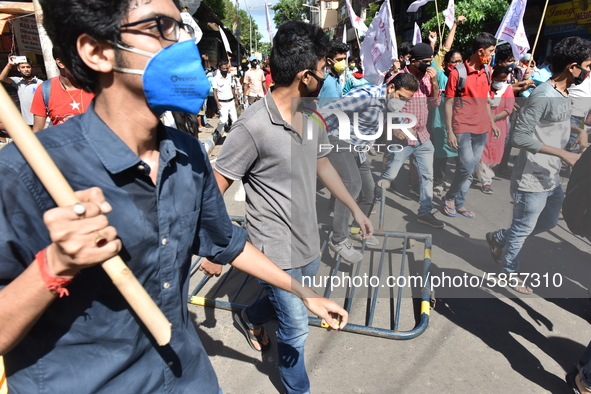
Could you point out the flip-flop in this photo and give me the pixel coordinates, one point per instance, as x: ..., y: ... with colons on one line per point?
x: 237, y: 316
x: 466, y: 213
x: 522, y: 287
x: 447, y: 209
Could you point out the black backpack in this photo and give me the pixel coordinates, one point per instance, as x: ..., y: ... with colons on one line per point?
x: 576, y: 208
x: 463, y: 75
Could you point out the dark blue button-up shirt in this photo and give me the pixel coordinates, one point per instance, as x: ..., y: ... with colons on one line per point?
x: 90, y: 341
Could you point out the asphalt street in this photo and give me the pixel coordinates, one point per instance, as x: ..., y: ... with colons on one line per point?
x: 482, y: 337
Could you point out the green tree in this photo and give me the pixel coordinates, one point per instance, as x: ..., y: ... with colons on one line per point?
x: 481, y: 16
x: 371, y: 13
x: 218, y: 7
x: 287, y: 10
x: 243, y: 23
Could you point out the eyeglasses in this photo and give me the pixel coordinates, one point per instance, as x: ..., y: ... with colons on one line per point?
x: 169, y: 28
x: 456, y: 62
x: 313, y: 72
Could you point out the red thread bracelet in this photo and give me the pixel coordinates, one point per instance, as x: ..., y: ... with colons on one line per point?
x: 51, y: 282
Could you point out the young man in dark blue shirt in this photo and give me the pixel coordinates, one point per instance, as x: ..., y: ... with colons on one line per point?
x: 156, y: 202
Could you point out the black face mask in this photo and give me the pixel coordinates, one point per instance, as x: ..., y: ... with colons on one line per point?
x: 582, y: 76
x: 224, y: 73
x: 314, y: 93
x: 423, y: 67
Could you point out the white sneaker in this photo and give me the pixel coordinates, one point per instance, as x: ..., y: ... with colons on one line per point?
x: 346, y: 251
x: 371, y: 241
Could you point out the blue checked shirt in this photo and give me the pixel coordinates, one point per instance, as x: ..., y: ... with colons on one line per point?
x: 368, y: 102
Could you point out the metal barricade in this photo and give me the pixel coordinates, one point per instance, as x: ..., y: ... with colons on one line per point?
x: 242, y: 290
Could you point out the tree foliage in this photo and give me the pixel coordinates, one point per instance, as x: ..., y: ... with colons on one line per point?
x: 371, y: 13
x: 243, y: 23
x: 218, y: 7
x: 286, y: 10
x: 481, y: 16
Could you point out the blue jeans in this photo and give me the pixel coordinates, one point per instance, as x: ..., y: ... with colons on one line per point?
x: 422, y: 156
x: 470, y: 147
x: 584, y: 366
x: 293, y: 328
x: 533, y: 213
x: 358, y: 180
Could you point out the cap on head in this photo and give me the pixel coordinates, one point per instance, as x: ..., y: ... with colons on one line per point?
x: 421, y: 51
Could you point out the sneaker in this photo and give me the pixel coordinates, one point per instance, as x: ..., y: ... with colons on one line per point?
x: 414, y: 190
x: 486, y: 189
x: 208, y: 126
x: 371, y: 241
x: 431, y: 220
x: 438, y: 190
x: 346, y: 251
x: 496, y: 250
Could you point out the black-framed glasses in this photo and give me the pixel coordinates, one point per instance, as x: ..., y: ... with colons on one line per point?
x: 319, y: 79
x: 169, y: 28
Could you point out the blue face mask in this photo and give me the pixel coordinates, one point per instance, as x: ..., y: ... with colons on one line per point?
x: 174, y: 79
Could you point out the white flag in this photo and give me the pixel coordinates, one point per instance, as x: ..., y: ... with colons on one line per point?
x: 225, y: 40
x: 416, y: 37
x: 512, y: 30
x: 414, y: 7
x: 269, y: 25
x: 356, y: 21
x: 378, y: 49
x: 450, y: 14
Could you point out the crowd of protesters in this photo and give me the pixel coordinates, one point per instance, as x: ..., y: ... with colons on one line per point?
x: 471, y: 108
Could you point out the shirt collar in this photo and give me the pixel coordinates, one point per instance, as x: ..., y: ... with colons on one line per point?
x: 115, y: 155
x: 273, y: 111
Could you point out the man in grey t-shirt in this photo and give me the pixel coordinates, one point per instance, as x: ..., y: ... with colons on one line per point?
x: 541, y: 132
x: 25, y: 85
x: 276, y: 153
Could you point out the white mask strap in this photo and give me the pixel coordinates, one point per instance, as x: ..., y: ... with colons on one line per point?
x: 136, y: 51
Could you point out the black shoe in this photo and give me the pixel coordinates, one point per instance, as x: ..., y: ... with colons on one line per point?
x: 572, y: 383
x: 431, y: 220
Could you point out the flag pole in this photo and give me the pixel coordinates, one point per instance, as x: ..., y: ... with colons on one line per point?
x: 531, y: 59
x: 438, y: 23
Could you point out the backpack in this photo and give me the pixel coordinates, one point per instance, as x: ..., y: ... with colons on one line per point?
x: 576, y: 208
x: 463, y: 75
x: 46, y: 92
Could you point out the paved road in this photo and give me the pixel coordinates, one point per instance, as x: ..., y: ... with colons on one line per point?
x: 478, y: 340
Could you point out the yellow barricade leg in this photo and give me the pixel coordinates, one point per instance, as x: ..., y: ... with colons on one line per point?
x: 3, y: 384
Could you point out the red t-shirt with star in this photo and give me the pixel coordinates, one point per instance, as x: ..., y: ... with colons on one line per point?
x: 63, y: 104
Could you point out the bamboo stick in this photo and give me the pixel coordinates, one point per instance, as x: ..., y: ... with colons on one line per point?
x: 63, y: 195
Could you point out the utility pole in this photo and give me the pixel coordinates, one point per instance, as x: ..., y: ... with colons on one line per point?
x: 237, y: 36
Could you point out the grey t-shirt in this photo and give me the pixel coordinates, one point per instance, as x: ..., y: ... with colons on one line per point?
x: 26, y: 91
x: 545, y: 120
x: 278, y: 169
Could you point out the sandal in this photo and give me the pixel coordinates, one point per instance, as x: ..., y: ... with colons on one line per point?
x: 250, y: 337
x: 448, y: 209
x: 466, y: 213
x: 521, y: 287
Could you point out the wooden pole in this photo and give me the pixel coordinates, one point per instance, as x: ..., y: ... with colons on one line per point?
x: 63, y: 195
x: 438, y: 23
x: 46, y: 45
x: 537, y: 36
